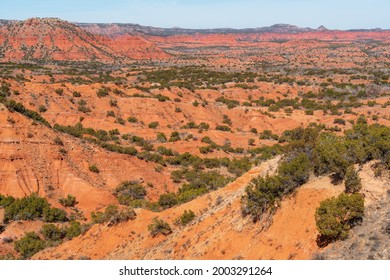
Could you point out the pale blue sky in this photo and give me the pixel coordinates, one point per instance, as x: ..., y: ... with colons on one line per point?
x: 335, y: 14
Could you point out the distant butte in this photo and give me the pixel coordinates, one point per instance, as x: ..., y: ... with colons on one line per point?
x: 322, y: 28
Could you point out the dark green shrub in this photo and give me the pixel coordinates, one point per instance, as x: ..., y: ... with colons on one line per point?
x: 42, y: 109
x: 186, y: 217
x: 6, y: 200
x: 238, y: 166
x: 120, y: 121
x: 153, y: 124
x: 227, y: 120
x: 19, y: 107
x: 330, y: 155
x: 52, y: 215
x: 128, y: 191
x: 119, y: 149
x: 175, y: 136
x: 69, y: 201
x: 132, y: 119
x: 93, y: 168
x: 294, y: 171
x: 223, y: 128
x: 267, y: 134
x: 261, y: 196
x: 113, y: 103
x: 206, y: 149
x: 59, y: 91
x: 112, y: 215
x: 102, y: 92
x: 29, y: 245
x: 231, y: 103
x: 165, y: 151
x: 352, y: 182
x: 31, y: 208
x: 161, y: 137
x: 83, y: 109
x: 187, y: 194
x: 52, y: 233
x: 190, y: 125
x: 167, y: 200
x: 203, y: 126
x: 336, y: 216
x: 339, y: 121
x: 153, y: 157
x: 374, y: 140
x: 159, y: 226
x: 211, y: 180
x: 74, y: 230
x: 207, y: 140
x: 309, y: 112
x: 76, y: 94
x: 27, y: 208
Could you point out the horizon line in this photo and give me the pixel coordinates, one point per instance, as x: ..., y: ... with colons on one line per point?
x: 208, y: 28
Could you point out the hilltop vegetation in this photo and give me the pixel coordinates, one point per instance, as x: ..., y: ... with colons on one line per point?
x: 331, y: 155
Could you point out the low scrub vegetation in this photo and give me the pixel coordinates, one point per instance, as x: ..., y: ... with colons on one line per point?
x: 128, y: 192
x: 69, y: 201
x: 29, y: 245
x: 31, y: 208
x: 14, y: 106
x: 113, y: 215
x: 264, y: 194
x: 323, y: 153
x: 186, y: 217
x: 352, y: 183
x: 159, y: 226
x: 336, y: 216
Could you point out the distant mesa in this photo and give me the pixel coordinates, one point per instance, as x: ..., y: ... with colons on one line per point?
x: 322, y: 28
x: 54, y: 39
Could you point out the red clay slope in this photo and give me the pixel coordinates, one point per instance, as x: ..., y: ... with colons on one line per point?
x: 51, y: 39
x: 218, y: 232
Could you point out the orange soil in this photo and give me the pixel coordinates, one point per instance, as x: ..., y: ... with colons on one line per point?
x: 218, y: 232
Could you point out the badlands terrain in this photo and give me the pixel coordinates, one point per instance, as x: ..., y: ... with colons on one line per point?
x: 120, y: 141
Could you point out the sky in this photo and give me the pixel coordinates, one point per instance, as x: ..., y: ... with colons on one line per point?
x: 333, y: 14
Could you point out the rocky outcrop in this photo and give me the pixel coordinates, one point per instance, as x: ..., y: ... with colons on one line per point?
x: 52, y: 39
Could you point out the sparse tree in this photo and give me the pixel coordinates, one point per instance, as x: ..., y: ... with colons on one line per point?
x: 353, y: 183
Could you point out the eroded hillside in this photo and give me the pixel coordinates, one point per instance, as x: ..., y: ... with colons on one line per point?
x: 112, y: 131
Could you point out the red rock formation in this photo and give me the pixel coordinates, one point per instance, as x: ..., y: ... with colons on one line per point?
x: 54, y: 39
